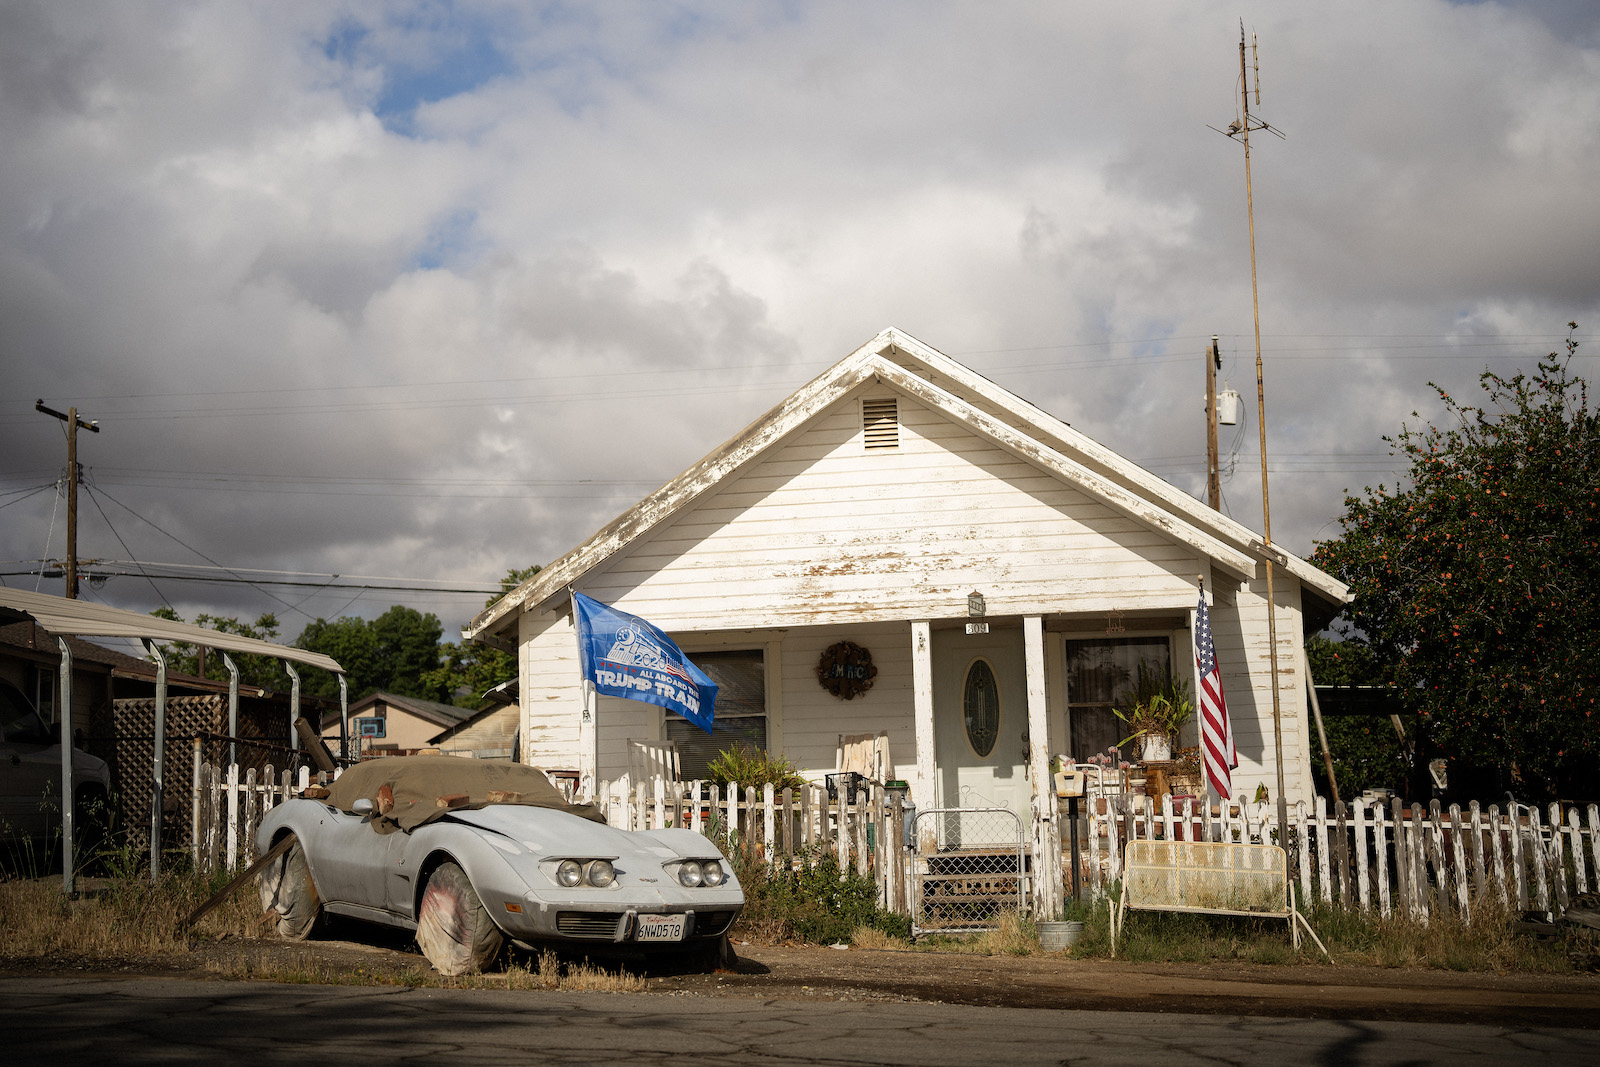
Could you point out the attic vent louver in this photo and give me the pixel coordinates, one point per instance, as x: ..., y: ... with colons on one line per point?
x: 880, y: 422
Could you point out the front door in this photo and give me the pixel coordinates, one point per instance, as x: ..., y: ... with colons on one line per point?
x: 980, y: 714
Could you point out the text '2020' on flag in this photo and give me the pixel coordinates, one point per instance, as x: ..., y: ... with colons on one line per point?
x: 1216, y: 732
x: 626, y: 657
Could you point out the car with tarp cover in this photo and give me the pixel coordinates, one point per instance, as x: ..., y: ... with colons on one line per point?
x: 474, y: 853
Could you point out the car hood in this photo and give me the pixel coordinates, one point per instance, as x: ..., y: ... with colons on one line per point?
x: 551, y: 832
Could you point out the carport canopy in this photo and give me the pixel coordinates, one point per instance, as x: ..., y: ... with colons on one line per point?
x: 80, y: 618
x: 77, y: 618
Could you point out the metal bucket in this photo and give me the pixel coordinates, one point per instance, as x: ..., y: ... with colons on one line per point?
x: 1056, y: 936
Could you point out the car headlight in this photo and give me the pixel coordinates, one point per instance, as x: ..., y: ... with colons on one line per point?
x: 712, y: 874
x: 601, y: 873
x: 689, y: 873
x: 569, y: 873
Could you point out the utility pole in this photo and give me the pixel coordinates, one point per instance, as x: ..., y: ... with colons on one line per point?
x: 1213, y: 480
x: 1242, y: 128
x: 70, y: 417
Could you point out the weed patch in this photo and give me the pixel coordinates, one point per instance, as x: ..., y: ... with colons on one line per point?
x: 811, y: 900
x: 123, y: 916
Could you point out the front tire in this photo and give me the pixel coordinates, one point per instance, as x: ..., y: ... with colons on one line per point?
x: 287, y: 888
x: 713, y: 954
x: 453, y: 927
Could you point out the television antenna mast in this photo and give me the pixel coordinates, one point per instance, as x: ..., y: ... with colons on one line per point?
x: 1240, y: 130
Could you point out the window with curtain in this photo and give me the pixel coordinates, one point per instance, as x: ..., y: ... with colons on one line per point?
x: 741, y: 712
x: 1100, y: 671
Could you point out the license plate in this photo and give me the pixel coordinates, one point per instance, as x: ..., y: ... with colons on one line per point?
x: 660, y: 928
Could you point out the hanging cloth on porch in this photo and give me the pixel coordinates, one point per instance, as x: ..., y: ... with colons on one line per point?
x: 1216, y: 732
x: 625, y: 656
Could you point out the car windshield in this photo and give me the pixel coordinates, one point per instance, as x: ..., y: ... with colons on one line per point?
x: 17, y: 719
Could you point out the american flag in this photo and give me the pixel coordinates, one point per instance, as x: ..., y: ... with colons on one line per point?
x: 1216, y: 732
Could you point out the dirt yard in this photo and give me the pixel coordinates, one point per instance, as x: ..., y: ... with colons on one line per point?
x: 370, y: 955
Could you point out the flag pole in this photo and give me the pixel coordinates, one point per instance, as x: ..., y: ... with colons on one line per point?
x: 1194, y: 621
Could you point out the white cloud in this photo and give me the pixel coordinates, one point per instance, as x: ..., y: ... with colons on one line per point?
x: 383, y: 288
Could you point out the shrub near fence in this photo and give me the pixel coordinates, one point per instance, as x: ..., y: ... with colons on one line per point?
x: 1374, y: 857
x: 865, y: 832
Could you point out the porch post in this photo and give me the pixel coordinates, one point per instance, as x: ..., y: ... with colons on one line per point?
x: 923, y: 791
x: 1046, y: 824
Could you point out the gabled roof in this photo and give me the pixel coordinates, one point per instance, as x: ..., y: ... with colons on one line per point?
x: 426, y: 710
x: 896, y: 359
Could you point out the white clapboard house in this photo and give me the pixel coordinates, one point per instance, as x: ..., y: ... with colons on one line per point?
x: 880, y: 507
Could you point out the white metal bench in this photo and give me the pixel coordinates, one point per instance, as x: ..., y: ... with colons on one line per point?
x: 1210, y: 877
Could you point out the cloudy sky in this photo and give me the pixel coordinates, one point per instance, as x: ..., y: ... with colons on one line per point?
x: 412, y: 293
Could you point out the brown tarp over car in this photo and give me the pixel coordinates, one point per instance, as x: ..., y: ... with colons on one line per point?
x: 426, y: 787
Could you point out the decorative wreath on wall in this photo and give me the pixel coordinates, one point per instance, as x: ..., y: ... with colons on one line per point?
x: 846, y: 670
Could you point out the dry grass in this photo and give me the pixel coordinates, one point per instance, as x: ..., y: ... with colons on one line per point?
x: 1014, y: 934
x: 127, y: 918
x: 1482, y: 941
x: 116, y: 917
x: 872, y: 937
x: 547, y: 972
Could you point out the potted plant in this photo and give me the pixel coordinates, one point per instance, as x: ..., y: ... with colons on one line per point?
x: 1155, y: 709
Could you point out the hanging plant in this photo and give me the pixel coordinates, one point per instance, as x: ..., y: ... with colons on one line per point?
x: 846, y: 670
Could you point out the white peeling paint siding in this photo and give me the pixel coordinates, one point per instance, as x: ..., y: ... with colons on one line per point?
x: 814, y: 718
x: 1240, y: 632
x: 552, y: 696
x: 825, y: 531
x: 824, y: 540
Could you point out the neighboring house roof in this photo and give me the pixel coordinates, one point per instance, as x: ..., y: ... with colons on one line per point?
x: 83, y: 618
x: 442, y: 715
x: 472, y: 720
x: 905, y: 364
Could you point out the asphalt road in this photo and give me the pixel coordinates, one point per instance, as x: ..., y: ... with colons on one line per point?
x: 60, y: 1020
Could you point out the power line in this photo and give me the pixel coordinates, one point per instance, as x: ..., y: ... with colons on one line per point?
x: 153, y: 587
x: 363, y: 586
x: 288, y: 606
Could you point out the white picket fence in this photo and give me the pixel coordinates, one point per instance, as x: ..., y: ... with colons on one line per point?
x: 865, y: 832
x: 1384, y: 858
x: 1413, y: 860
x: 768, y: 824
x: 227, y: 806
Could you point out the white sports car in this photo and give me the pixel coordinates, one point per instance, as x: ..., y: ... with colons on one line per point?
x: 469, y: 853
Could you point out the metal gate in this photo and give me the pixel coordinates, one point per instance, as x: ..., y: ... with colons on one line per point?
x: 970, y: 866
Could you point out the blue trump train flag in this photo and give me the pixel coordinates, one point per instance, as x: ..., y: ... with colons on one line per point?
x: 626, y: 657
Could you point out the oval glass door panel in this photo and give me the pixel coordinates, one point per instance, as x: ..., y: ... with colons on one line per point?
x: 981, y: 707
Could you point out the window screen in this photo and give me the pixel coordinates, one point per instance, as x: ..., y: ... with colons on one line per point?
x: 741, y: 711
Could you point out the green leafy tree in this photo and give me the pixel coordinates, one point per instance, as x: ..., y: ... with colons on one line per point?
x: 1477, y: 586
x: 1367, y: 753
x: 467, y: 669
x: 262, y: 672
x: 398, y: 652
